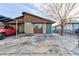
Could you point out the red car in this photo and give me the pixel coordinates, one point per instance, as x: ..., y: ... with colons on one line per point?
x: 6, y: 30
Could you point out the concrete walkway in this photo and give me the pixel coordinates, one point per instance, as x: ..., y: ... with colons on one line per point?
x: 39, y: 44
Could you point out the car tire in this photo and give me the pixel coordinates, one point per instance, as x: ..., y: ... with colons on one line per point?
x: 2, y: 36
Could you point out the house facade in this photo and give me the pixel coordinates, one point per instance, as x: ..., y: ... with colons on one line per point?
x: 29, y: 23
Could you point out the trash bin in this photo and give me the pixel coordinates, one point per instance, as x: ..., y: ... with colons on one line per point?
x: 2, y: 36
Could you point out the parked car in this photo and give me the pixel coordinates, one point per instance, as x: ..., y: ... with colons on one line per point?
x: 6, y: 30
x: 77, y: 31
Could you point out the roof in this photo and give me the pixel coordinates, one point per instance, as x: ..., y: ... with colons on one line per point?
x: 42, y: 19
x: 34, y: 15
x: 4, y: 19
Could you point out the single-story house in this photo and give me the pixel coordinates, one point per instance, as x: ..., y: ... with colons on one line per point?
x: 29, y: 23
x: 69, y: 28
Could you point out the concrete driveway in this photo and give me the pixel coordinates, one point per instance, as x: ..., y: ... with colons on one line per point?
x: 39, y: 44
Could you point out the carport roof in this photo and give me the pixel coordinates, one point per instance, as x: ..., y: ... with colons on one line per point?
x: 4, y: 19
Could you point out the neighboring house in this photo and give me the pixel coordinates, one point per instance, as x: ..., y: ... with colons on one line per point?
x: 4, y: 20
x: 29, y: 23
x: 69, y: 28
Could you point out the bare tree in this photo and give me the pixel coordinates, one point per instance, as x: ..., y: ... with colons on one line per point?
x: 62, y: 12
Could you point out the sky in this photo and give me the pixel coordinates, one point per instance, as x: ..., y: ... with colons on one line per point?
x: 14, y: 10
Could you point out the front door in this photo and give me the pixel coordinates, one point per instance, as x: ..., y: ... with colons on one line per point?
x: 48, y: 28
x: 38, y: 28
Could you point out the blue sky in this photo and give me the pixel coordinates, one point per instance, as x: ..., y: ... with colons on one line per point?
x: 14, y: 10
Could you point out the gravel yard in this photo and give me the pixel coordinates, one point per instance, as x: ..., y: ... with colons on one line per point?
x: 39, y: 44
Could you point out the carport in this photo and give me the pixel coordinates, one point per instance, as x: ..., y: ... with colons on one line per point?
x: 4, y: 19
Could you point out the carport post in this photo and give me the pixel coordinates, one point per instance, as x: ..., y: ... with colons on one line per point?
x: 16, y: 28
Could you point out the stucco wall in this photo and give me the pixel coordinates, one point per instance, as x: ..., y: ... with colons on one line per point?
x: 21, y: 28
x: 28, y: 28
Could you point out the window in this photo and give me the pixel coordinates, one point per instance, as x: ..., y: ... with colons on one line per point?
x: 38, y: 26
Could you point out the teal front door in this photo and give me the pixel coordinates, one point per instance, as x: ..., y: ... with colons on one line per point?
x: 48, y: 28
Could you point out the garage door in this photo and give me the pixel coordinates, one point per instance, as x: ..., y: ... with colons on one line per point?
x: 28, y: 28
